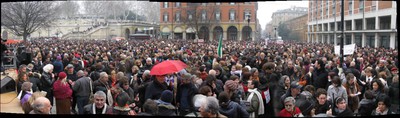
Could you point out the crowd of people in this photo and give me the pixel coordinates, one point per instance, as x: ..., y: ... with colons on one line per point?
x: 250, y: 79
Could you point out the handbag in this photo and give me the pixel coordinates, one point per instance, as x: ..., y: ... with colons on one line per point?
x: 91, y: 96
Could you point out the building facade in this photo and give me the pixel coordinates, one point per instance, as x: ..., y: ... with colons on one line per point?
x: 234, y: 21
x: 298, y: 27
x: 367, y: 23
x: 281, y: 16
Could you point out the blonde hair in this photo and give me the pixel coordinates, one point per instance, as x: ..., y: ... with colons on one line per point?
x: 36, y: 95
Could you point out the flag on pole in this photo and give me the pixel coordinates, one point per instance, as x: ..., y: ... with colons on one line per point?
x: 220, y: 46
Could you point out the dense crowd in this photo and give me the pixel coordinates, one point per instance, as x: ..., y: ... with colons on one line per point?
x: 250, y: 79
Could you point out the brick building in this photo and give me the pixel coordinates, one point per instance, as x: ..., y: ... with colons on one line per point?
x: 180, y: 20
x: 298, y: 26
x: 283, y: 15
x: 366, y: 23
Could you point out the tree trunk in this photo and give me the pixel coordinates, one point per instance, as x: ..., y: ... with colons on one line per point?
x: 25, y: 35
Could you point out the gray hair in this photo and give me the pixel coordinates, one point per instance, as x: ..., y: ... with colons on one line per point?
x: 211, y: 105
x: 39, y: 103
x: 146, y: 72
x: 101, y: 94
x: 290, y: 99
x: 103, y: 74
x: 48, y: 67
x: 80, y: 73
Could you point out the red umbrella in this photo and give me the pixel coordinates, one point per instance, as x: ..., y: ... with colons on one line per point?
x: 167, y: 67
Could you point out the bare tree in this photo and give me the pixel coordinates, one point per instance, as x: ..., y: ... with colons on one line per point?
x: 24, y: 18
x: 200, y: 15
x: 68, y: 9
x: 97, y: 8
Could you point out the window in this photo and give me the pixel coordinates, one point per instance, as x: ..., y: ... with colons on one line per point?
x: 165, y: 17
x: 232, y: 3
x: 204, y: 4
x: 218, y: 3
x: 232, y: 15
x: 190, y: 16
x: 218, y: 15
x: 165, y: 4
x: 177, y: 16
x: 246, y: 15
x: 350, y: 7
x: 177, y: 4
x: 203, y: 15
x: 373, y: 6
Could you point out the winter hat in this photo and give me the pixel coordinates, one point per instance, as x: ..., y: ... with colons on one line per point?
x: 394, y: 69
x: 62, y: 75
x: 231, y: 85
x: 166, y: 96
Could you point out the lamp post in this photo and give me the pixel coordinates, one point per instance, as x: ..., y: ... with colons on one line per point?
x: 78, y: 31
x: 248, y: 25
x: 342, y: 36
x: 275, y: 32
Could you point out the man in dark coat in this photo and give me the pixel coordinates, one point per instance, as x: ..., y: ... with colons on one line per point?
x: 184, y: 96
x: 154, y: 89
x: 320, y: 79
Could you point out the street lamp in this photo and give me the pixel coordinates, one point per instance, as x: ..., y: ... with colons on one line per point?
x: 275, y: 32
x: 78, y: 30
x: 248, y: 25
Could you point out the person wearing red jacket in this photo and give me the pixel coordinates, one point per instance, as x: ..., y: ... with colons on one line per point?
x: 63, y: 94
x: 290, y: 109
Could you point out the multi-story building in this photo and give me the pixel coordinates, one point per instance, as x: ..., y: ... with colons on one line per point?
x: 234, y: 21
x: 368, y: 23
x: 298, y: 27
x: 281, y: 16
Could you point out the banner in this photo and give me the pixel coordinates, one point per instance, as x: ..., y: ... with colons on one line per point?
x: 347, y: 49
x: 220, y: 46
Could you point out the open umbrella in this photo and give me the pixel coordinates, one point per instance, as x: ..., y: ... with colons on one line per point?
x: 167, y: 67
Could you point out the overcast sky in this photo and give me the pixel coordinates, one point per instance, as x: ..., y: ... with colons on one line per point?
x: 266, y: 8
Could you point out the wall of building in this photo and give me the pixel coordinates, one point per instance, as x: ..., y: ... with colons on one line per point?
x: 384, y: 33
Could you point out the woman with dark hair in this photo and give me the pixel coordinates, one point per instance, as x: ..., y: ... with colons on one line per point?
x: 336, y: 89
x: 377, y: 88
x: 321, y: 105
x: 383, y: 106
x: 340, y: 109
x: 353, y: 90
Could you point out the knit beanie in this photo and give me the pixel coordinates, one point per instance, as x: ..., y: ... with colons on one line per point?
x: 166, y: 96
x: 62, y: 75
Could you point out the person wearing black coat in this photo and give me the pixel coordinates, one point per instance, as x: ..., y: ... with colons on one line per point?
x: 185, y: 94
x: 154, y: 89
x: 321, y: 75
x: 367, y: 104
x: 268, y: 80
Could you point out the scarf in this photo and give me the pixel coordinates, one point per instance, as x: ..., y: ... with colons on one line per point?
x: 104, y: 109
x: 260, y: 103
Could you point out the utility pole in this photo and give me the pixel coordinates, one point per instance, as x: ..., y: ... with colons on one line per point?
x: 172, y: 22
x: 341, y: 38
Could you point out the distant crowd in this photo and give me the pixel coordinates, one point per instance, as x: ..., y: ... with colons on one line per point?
x: 250, y: 79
